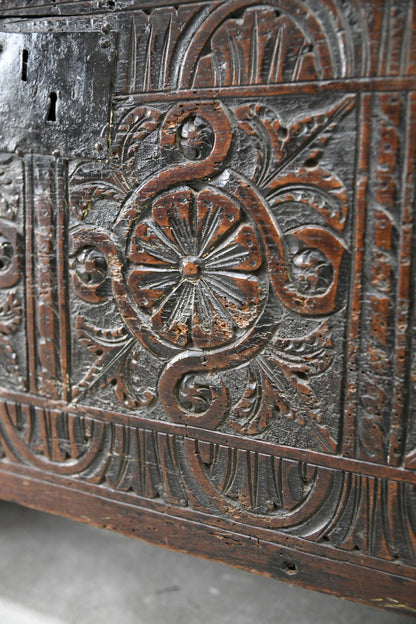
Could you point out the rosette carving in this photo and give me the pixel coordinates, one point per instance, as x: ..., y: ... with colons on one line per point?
x: 193, y: 267
x: 201, y: 268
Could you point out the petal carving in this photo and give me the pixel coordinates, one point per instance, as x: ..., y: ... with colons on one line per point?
x: 240, y: 252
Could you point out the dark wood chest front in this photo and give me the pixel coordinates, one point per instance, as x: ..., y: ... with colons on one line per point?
x: 207, y: 311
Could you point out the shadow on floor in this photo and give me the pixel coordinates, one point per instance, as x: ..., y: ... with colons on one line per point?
x: 56, y: 571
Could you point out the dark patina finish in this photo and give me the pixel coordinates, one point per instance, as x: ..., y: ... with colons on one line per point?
x: 207, y: 309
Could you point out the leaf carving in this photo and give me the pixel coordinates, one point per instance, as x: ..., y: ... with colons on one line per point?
x: 278, y: 144
x: 258, y: 405
x: 10, y: 314
x: 310, y: 355
x: 9, y: 196
x: 141, y: 396
x: 85, y: 195
x: 267, y: 132
x: 319, y: 189
x: 10, y: 319
x: 112, y: 348
x: 89, y: 185
x: 133, y: 128
x: 284, y: 370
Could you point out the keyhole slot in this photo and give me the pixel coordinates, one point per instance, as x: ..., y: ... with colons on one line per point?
x: 51, y: 116
x: 25, y: 58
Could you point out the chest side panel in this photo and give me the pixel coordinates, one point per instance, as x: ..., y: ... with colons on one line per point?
x: 206, y: 291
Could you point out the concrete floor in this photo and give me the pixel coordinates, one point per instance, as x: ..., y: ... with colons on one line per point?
x: 55, y: 571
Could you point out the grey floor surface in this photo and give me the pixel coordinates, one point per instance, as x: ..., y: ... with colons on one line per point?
x: 55, y: 571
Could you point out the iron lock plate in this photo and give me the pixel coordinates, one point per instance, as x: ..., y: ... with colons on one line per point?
x: 55, y: 92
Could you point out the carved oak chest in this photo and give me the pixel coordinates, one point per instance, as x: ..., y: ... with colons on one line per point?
x: 207, y: 311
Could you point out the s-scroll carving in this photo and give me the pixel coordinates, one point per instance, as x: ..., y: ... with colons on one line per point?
x: 196, y: 260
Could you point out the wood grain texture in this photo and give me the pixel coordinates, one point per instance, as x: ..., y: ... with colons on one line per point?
x: 207, y: 323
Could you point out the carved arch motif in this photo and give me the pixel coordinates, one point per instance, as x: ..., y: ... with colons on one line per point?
x: 249, y: 43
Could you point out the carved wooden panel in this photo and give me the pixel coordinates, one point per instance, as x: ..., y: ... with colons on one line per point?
x: 207, y: 312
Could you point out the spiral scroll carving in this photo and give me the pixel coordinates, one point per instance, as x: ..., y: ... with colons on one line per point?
x: 197, y: 261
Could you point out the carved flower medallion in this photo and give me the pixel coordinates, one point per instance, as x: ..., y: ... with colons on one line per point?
x: 194, y: 268
x: 224, y: 275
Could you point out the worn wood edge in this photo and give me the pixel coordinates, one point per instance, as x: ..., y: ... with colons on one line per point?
x: 316, y: 458
x: 313, y: 87
x: 316, y: 572
x: 298, y: 543
x: 43, y: 8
